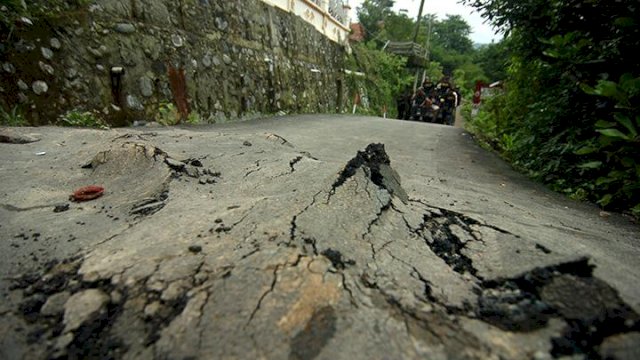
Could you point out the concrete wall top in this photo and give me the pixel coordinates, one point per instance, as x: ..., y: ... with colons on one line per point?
x: 328, y: 16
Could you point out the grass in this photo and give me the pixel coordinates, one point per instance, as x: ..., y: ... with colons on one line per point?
x: 12, y: 118
x: 81, y: 119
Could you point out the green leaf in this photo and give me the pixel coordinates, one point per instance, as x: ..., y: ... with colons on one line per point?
x: 628, y: 162
x: 613, y: 133
x: 552, y: 53
x: 627, y: 79
x: 605, y: 200
x: 585, y: 150
x: 626, y: 122
x: 601, y: 124
x: 607, y: 88
x: 590, y: 165
x: 616, y: 174
x: 636, y: 210
x: 624, y: 22
x: 604, y: 180
x: 605, y: 141
x: 588, y: 89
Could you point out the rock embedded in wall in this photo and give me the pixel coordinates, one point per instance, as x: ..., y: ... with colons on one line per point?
x: 146, y: 86
x: 55, y: 43
x: 39, y: 87
x: 125, y: 28
x: 46, y: 53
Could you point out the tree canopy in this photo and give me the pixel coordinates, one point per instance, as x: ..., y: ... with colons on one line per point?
x: 452, y: 34
x: 451, y: 50
x: 372, y: 15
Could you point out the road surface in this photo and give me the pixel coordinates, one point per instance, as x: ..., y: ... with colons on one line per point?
x: 328, y: 237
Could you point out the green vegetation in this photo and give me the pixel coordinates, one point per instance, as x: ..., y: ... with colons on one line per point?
x: 570, y: 114
x: 167, y: 114
x: 385, y: 77
x: 13, y: 118
x: 81, y: 119
x: 194, y: 118
x: 39, y: 8
x: 451, y: 52
x: 13, y: 5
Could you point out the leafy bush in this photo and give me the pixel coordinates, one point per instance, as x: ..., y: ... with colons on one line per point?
x: 385, y: 77
x: 81, y: 119
x: 167, y: 114
x: 194, y: 118
x: 571, y: 111
x: 13, y: 118
x: 612, y: 157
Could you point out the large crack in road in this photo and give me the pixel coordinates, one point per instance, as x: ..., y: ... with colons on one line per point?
x: 348, y: 265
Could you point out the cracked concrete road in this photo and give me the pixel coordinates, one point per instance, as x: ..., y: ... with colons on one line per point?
x: 326, y: 237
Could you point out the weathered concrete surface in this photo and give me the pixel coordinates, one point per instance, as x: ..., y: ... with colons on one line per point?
x: 300, y: 237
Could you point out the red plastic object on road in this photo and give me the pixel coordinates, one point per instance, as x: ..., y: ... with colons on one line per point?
x: 87, y: 193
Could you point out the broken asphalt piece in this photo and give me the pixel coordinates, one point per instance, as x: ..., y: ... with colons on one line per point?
x: 195, y: 249
x: 207, y: 180
x: 591, y: 308
x: 192, y: 168
x: 83, y: 307
x: 87, y: 193
x: 148, y: 209
x: 60, y: 208
x: 11, y: 138
x: 336, y: 258
x: 247, y: 143
x: 279, y: 139
x: 174, y: 164
x: 192, y: 171
x: 54, y: 305
x: 377, y: 166
x: 621, y: 346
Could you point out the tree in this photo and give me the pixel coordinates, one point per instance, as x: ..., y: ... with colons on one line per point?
x: 452, y: 34
x: 493, y: 59
x: 372, y: 15
x: 398, y: 27
x: 450, y: 47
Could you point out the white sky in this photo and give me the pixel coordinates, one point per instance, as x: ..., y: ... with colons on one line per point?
x: 481, y: 33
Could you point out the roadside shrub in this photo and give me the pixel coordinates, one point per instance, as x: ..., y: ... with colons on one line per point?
x: 571, y: 116
x: 167, y: 114
x: 385, y: 76
x: 12, y: 118
x: 76, y: 118
x: 612, y: 157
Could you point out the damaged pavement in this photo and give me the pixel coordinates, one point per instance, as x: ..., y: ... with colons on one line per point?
x: 306, y: 237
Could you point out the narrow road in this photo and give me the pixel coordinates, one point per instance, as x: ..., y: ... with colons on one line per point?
x: 329, y: 237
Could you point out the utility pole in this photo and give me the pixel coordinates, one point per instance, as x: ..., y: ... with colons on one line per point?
x: 415, y: 35
x: 415, y: 39
x: 427, y: 50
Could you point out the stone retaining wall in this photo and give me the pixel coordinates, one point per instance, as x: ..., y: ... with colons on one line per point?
x: 227, y: 60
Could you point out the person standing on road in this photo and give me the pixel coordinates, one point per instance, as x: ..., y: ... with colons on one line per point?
x: 448, y: 100
x: 429, y: 88
x: 403, y: 102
